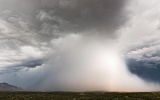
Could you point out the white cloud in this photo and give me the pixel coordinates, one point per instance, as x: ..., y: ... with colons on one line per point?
x: 144, y: 20
x: 31, y: 51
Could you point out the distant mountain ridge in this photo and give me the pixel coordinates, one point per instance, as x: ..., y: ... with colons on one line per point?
x: 8, y: 87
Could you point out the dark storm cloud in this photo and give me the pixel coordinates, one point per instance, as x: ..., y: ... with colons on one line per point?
x: 23, y: 64
x: 63, y: 16
x: 36, y: 22
x: 104, y: 16
x: 148, y: 70
x: 30, y: 63
x: 143, y: 58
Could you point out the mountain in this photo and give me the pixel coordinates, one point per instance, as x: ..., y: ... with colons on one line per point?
x: 8, y: 87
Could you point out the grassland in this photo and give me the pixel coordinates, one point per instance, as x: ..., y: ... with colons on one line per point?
x: 78, y: 96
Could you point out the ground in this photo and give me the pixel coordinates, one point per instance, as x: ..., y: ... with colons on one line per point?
x: 78, y: 96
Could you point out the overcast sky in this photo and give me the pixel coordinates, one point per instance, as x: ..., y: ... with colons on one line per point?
x: 70, y: 44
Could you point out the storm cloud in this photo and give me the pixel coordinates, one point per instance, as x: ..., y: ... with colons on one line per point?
x: 55, y: 17
x: 34, y: 24
x: 67, y: 45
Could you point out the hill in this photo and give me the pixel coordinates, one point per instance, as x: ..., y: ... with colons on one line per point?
x: 8, y: 87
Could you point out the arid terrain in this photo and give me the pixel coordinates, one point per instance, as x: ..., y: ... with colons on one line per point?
x: 78, y: 96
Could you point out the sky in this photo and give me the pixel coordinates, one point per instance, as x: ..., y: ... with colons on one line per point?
x: 80, y: 45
